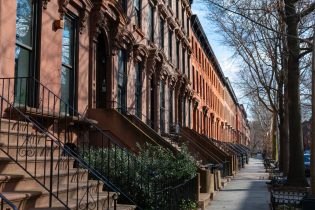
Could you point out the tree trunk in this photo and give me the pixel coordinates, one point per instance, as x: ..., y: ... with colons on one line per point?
x: 286, y: 149
x: 296, y: 175
x: 281, y: 124
x: 312, y: 169
x: 274, y: 136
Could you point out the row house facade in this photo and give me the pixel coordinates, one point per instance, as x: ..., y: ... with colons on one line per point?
x: 107, y: 76
x: 216, y: 111
x: 150, y: 58
x: 128, y: 55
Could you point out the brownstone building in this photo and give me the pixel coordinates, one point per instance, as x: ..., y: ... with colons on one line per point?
x: 107, y: 74
x: 216, y: 111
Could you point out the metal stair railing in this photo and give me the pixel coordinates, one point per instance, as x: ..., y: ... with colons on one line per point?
x: 110, y: 162
x: 149, y: 124
x: 225, y: 163
x: 51, y: 164
x: 4, y: 200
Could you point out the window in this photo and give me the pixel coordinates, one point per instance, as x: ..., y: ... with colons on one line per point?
x: 161, y: 33
x: 122, y: 80
x: 193, y: 77
x: 170, y: 3
x: 183, y: 18
x: 138, y: 92
x: 170, y: 44
x: 68, y: 72
x: 183, y: 111
x: 171, y: 108
x: 177, y: 8
x: 137, y: 5
x: 188, y: 60
x: 183, y: 61
x: 151, y: 24
x: 162, y: 107
x: 187, y: 26
x: 177, y: 54
x: 26, y: 49
x: 189, y: 113
x: 124, y: 5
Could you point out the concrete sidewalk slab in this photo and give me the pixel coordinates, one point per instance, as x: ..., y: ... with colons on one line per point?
x: 246, y: 191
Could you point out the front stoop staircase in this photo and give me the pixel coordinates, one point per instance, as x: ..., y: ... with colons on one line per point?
x: 37, y: 171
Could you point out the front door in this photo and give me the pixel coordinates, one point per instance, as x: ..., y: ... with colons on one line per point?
x: 101, y: 73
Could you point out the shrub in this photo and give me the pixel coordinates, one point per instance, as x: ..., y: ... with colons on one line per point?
x: 142, y: 176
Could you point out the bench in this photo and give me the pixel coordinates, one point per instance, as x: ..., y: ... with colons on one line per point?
x: 270, y: 165
x: 287, y: 196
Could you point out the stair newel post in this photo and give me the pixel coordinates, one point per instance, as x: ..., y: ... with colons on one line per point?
x: 115, y: 198
x: 51, y: 171
x: 97, y: 193
x: 108, y: 168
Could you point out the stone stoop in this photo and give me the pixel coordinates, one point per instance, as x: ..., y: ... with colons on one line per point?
x: 69, y: 183
x: 224, y: 182
x: 204, y: 200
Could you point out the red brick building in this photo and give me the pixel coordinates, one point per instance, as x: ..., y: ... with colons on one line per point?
x: 216, y: 111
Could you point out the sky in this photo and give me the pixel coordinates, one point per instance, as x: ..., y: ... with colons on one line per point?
x: 224, y: 55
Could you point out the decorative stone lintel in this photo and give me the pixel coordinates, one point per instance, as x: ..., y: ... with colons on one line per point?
x: 45, y: 3
x: 62, y: 8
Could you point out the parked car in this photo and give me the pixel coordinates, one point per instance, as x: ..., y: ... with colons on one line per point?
x: 307, y: 160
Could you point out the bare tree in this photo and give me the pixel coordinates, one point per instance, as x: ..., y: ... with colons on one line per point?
x: 272, y: 37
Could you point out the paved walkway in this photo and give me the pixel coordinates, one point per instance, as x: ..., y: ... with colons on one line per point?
x: 247, y: 191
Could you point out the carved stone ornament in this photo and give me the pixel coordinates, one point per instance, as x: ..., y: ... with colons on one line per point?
x: 82, y: 21
x: 124, y: 40
x: 44, y: 3
x: 62, y: 7
x: 140, y: 54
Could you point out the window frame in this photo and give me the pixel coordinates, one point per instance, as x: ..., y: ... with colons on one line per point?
x: 74, y: 53
x: 138, y: 13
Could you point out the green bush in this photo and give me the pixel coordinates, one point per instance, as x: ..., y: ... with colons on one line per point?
x: 143, y: 175
x: 188, y: 205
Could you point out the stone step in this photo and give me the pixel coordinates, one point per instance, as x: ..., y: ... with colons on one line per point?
x: 19, y: 138
x: 74, y: 191
x: 34, y: 201
x: 118, y: 207
x: 14, y: 125
x: 34, y: 165
x: 32, y: 150
x: 204, y: 200
x: 11, y: 182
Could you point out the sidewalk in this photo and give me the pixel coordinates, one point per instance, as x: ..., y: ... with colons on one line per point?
x: 247, y: 191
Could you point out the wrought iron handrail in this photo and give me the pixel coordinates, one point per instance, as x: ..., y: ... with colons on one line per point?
x: 7, y: 201
x: 148, y: 123
x: 111, y: 163
x: 225, y: 163
x: 27, y: 147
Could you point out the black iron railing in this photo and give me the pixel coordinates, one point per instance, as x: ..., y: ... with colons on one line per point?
x: 6, y: 204
x: 148, y: 125
x: 78, y: 138
x: 222, y: 163
x: 174, y: 197
x: 53, y: 165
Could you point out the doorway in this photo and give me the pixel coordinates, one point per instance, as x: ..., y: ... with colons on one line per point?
x: 101, y: 82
